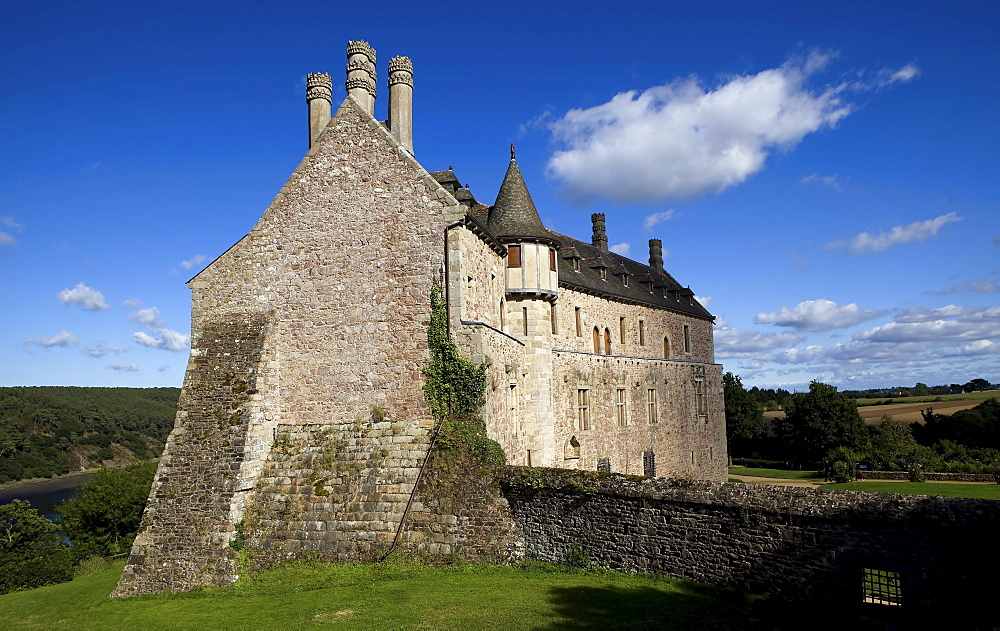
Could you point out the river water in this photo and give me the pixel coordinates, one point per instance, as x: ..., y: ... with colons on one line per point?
x: 46, y: 494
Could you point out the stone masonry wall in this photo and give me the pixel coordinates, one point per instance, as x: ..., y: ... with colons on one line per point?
x: 800, y: 544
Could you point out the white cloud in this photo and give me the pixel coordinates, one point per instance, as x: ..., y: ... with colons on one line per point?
x: 818, y: 315
x: 197, y: 259
x: 168, y: 340
x: 866, y: 243
x: 149, y: 316
x: 681, y: 139
x: 979, y: 347
x: 6, y: 239
x: 704, y: 300
x: 904, y: 74
x: 100, y: 350
x: 11, y: 223
x: 621, y: 248
x: 83, y: 296
x: 123, y: 367
x: 826, y: 180
x: 63, y: 338
x: 132, y: 302
x: 657, y: 218
x: 956, y: 312
x: 742, y: 343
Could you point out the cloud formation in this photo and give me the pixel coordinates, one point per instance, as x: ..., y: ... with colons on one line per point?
x: 867, y: 243
x: 621, y: 248
x: 818, y: 315
x: 7, y: 238
x: 831, y: 181
x: 83, y: 296
x: 123, y: 367
x: 657, y: 218
x: 100, y: 350
x: 980, y: 285
x: 164, y: 339
x: 683, y: 139
x: 197, y: 259
x: 149, y: 316
x: 63, y: 339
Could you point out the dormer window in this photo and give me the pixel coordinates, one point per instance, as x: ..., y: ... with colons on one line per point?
x: 604, y: 273
x: 576, y: 265
x: 625, y: 280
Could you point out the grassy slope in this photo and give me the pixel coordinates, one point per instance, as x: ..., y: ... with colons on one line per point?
x: 303, y: 595
x: 947, y: 489
x: 780, y: 474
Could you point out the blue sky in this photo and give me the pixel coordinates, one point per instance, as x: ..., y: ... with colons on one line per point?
x: 823, y: 178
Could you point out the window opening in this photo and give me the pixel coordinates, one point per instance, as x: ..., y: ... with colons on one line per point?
x: 579, y: 325
x: 583, y: 408
x: 503, y: 308
x: 513, y: 256
x: 666, y: 348
x: 687, y: 339
x: 524, y: 312
x: 649, y: 464
x: 572, y: 449
x: 642, y: 332
x: 620, y: 408
x: 604, y: 465
x: 700, y: 400
x: 555, y: 325
x: 621, y: 329
x: 576, y: 265
x: 651, y: 415
x: 597, y: 340
x: 607, y: 341
x: 881, y: 587
x: 552, y: 260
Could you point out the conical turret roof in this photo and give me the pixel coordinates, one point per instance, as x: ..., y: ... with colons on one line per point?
x: 514, y: 214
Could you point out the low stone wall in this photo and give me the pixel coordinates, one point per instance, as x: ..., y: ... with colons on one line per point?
x: 937, y: 477
x: 804, y: 545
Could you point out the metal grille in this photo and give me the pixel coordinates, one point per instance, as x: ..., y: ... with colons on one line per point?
x: 882, y: 587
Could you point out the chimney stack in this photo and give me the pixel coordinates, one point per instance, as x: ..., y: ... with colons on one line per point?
x: 600, y: 238
x: 319, y: 98
x: 360, y: 82
x: 656, y: 254
x: 401, y: 101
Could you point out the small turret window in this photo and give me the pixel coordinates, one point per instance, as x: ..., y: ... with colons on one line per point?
x: 552, y: 260
x: 513, y: 256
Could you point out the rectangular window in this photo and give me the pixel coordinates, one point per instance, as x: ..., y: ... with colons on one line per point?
x: 583, y: 408
x: 579, y: 324
x: 604, y: 465
x: 700, y: 400
x: 687, y: 339
x: 651, y: 414
x: 555, y: 323
x: 552, y: 260
x: 524, y: 312
x: 692, y: 458
x: 621, y: 329
x: 512, y: 408
x: 649, y: 464
x: 625, y: 279
x: 881, y: 587
x: 513, y: 256
x: 576, y: 265
x: 604, y: 273
x: 642, y: 332
x: 621, y: 411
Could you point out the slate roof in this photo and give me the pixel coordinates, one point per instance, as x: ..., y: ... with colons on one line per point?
x: 514, y: 213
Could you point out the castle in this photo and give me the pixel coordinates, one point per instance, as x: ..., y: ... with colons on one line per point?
x: 303, y: 410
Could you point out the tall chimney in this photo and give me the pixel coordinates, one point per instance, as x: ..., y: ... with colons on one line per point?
x: 600, y: 238
x: 656, y: 254
x: 401, y: 100
x: 361, y: 74
x: 319, y: 98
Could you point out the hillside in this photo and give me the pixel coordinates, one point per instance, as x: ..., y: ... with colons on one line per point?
x: 52, y: 430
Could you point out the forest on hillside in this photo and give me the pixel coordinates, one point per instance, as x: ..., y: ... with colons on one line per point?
x: 51, y: 430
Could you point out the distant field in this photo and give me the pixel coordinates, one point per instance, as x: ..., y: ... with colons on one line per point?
x: 781, y: 474
x: 947, y: 489
x: 908, y: 409
x: 934, y: 398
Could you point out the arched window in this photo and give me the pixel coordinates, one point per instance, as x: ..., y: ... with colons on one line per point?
x: 607, y: 341
x: 666, y: 348
x: 572, y: 448
x: 597, y: 340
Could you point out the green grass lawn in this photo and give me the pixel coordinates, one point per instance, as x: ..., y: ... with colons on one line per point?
x: 932, y: 398
x: 947, y: 489
x: 774, y: 473
x: 396, y: 596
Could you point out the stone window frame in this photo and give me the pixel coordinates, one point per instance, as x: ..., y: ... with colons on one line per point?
x: 621, y: 329
x: 699, y: 400
x: 513, y: 256
x: 607, y: 341
x: 503, y: 315
x: 597, y: 340
x: 642, y: 331
x: 687, y: 338
x: 512, y: 407
x: 583, y: 421
x: 621, y: 407
x: 579, y: 322
x: 571, y: 450
x: 666, y: 347
x: 524, y: 315
x: 553, y: 316
x: 652, y: 408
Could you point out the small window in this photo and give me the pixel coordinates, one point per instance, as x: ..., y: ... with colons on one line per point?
x: 503, y: 319
x: 513, y: 256
x: 700, y: 400
x: 692, y: 458
x: 666, y: 348
x: 555, y: 322
x: 649, y: 464
x: 607, y: 341
x: 604, y: 273
x: 583, y: 409
x: 621, y: 329
x: 579, y: 324
x: 604, y: 465
x: 651, y: 414
x: 512, y: 408
x: 552, y: 260
x: 625, y: 279
x: 572, y: 448
x: 576, y: 265
x: 621, y: 410
x: 524, y: 312
x: 642, y: 332
x: 597, y: 340
x: 687, y: 339
x: 881, y: 587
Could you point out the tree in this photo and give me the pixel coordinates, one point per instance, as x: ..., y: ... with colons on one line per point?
x: 744, y: 415
x: 104, y: 517
x: 31, y: 552
x: 819, y: 420
x: 976, y: 385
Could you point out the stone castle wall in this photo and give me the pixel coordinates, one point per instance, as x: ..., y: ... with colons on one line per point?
x: 802, y: 545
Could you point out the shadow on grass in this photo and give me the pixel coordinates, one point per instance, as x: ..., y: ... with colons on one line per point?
x: 692, y: 606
